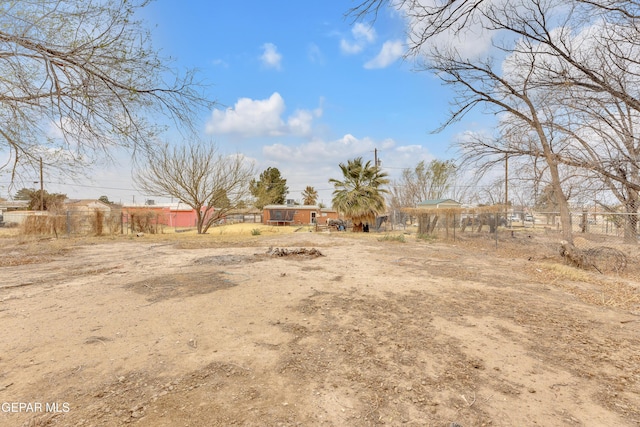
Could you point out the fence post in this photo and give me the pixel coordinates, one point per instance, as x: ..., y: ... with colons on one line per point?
x: 68, y: 223
x: 455, y: 224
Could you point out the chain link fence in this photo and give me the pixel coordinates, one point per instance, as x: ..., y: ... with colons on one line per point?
x: 67, y: 222
x: 601, y: 241
x: 99, y: 222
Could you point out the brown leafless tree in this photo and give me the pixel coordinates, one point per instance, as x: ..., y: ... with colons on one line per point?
x: 79, y: 77
x: 198, y: 175
x: 433, y: 180
x: 559, y: 51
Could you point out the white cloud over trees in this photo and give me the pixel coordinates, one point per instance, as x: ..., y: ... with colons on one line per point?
x: 262, y: 117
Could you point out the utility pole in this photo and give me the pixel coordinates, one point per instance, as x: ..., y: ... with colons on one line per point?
x: 376, y: 162
x: 506, y: 186
x: 41, y: 187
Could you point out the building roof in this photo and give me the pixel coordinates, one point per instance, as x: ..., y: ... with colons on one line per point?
x: 14, y: 204
x: 296, y: 207
x: 436, y: 202
x: 161, y: 206
x: 85, y: 202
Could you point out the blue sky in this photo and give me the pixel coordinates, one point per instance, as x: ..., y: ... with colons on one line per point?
x: 299, y: 87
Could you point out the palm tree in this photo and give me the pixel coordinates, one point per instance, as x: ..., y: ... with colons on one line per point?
x: 309, y: 196
x: 359, y: 197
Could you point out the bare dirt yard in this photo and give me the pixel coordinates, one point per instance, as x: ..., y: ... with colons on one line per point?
x: 199, y: 331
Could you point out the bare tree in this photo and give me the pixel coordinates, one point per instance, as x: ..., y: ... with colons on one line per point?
x: 550, y: 46
x: 79, y: 77
x: 199, y: 176
x: 605, y: 141
x: 427, y: 181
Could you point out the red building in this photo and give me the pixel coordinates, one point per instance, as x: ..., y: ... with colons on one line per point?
x: 173, y: 215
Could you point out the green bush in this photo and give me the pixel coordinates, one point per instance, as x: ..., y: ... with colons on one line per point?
x: 256, y: 232
x: 427, y: 237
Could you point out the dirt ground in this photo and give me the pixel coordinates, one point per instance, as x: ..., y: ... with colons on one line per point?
x: 167, y: 332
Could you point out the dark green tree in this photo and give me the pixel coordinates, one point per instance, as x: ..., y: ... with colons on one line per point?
x: 24, y: 194
x: 270, y: 189
x: 105, y: 199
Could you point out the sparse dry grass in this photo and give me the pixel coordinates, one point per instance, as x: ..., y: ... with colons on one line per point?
x: 232, y: 234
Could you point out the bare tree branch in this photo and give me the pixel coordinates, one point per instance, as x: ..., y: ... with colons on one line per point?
x: 80, y: 77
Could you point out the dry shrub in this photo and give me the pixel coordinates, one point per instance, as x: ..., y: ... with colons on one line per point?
x: 146, y: 221
x: 114, y: 221
x: 602, y: 258
x: 43, y: 224
x: 98, y: 222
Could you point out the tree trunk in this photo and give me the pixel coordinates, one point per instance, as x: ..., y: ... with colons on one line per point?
x: 423, y: 223
x: 199, y: 220
x: 493, y: 223
x: 432, y: 225
x: 556, y: 183
x: 463, y: 224
x: 631, y: 220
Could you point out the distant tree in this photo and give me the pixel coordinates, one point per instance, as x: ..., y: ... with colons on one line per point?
x: 309, y: 196
x: 48, y: 201
x: 199, y: 176
x: 359, y: 196
x: 24, y: 194
x: 271, y: 188
x: 427, y: 181
x: 87, y: 69
x: 105, y: 199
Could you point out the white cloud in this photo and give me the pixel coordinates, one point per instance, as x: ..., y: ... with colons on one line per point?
x: 364, y: 32
x: 315, y: 54
x: 318, y: 152
x: 263, y: 117
x: 220, y: 63
x: 270, y: 57
x: 390, y: 52
x: 314, y: 162
x: 300, y: 122
x: 362, y: 35
x: 315, y: 151
x: 350, y: 48
x: 471, y: 40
